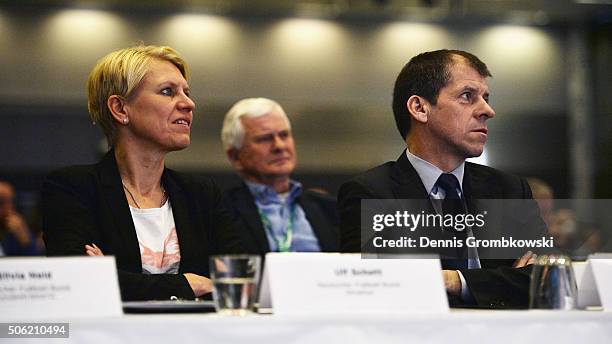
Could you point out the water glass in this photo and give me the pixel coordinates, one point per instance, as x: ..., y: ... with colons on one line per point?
x: 235, y: 279
x: 553, y: 285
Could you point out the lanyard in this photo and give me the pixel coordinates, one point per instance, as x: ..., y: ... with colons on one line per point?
x: 283, y: 245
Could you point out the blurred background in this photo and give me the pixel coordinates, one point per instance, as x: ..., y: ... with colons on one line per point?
x: 331, y: 64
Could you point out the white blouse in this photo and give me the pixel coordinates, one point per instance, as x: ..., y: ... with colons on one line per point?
x: 159, y: 247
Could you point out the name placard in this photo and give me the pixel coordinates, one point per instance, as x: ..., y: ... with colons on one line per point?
x: 585, y: 281
x: 51, y: 288
x: 341, y: 283
x: 602, y: 270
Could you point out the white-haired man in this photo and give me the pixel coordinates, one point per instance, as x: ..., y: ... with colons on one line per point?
x: 276, y: 213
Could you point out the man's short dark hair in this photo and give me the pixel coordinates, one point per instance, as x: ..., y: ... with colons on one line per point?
x: 425, y: 75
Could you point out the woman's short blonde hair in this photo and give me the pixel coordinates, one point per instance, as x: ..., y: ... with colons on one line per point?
x: 120, y: 73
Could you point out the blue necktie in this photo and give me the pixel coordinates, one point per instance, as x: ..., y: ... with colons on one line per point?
x: 454, y: 205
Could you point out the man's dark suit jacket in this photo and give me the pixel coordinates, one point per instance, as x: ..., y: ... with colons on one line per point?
x: 320, y: 212
x: 497, y: 284
x: 86, y: 204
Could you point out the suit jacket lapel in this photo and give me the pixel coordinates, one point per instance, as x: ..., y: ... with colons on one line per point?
x: 406, y: 181
x: 116, y: 201
x: 182, y: 221
x: 323, y: 230
x: 245, y: 204
x: 476, y: 186
x: 477, y: 190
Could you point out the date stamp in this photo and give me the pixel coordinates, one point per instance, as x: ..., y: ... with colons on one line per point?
x: 34, y: 330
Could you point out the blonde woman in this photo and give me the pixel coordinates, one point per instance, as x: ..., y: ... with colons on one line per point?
x: 160, y: 225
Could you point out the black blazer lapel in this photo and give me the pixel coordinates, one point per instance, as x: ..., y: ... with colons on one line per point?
x: 246, y: 207
x: 324, y: 230
x: 406, y: 181
x: 407, y: 185
x: 184, y: 224
x: 114, y: 197
x: 476, y: 186
x: 477, y: 191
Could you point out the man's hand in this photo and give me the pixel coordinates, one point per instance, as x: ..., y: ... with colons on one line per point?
x: 527, y: 259
x: 93, y: 250
x: 199, y: 284
x: 452, y: 282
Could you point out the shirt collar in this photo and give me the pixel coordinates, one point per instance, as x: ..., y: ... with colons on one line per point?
x: 266, y: 194
x: 430, y: 173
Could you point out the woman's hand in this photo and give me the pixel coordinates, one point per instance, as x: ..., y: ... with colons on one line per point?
x: 199, y: 284
x: 93, y: 250
x: 527, y: 259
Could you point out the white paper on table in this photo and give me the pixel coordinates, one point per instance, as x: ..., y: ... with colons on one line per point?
x: 602, y: 271
x: 588, y: 295
x: 64, y: 287
x: 338, y: 283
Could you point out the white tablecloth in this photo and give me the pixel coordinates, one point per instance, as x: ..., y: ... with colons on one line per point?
x: 458, y: 326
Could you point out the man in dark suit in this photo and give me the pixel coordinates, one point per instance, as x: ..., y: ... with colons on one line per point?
x: 441, y: 108
x: 276, y: 214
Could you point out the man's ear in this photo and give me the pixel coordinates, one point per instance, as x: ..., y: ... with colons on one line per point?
x: 233, y: 157
x: 117, y: 106
x: 232, y: 154
x: 418, y: 107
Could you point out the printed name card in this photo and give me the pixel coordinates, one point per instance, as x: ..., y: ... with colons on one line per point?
x: 602, y: 271
x: 70, y: 287
x: 302, y: 283
x: 585, y: 281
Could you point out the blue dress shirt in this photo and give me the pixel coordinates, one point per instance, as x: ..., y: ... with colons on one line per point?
x: 278, y: 209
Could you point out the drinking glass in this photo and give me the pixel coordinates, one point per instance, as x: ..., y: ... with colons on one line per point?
x: 553, y: 285
x: 235, y: 279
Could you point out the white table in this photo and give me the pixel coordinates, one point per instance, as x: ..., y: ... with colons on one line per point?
x: 458, y: 326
